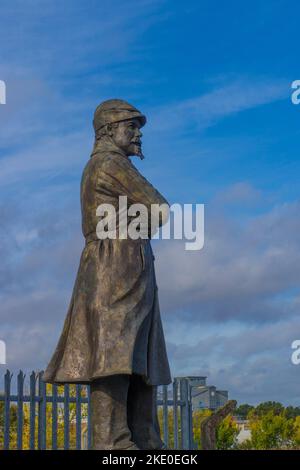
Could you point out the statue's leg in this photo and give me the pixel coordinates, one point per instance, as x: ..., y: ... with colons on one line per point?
x: 142, y: 414
x: 109, y: 413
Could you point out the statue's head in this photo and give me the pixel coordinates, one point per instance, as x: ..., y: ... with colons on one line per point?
x: 121, y: 122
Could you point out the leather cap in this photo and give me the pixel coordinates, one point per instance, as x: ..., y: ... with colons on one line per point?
x: 115, y: 111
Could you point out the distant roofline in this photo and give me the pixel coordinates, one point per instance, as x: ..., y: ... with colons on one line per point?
x: 191, y: 377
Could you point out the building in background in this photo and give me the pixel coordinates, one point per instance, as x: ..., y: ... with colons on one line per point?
x: 203, y: 396
x: 206, y: 396
x: 244, y: 429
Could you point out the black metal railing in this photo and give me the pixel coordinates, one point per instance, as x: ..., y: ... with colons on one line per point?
x: 42, y: 416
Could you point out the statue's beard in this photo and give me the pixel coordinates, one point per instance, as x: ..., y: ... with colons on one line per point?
x: 135, y: 148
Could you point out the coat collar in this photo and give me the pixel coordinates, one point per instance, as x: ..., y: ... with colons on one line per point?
x: 105, y: 144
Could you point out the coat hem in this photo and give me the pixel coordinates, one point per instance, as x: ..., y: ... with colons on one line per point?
x: 87, y: 381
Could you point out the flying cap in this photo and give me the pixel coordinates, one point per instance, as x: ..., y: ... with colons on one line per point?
x: 115, y: 111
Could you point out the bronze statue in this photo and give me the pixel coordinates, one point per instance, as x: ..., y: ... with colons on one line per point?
x: 112, y: 337
x: 209, y: 425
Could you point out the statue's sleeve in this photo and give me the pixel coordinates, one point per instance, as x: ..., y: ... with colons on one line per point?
x: 119, y: 177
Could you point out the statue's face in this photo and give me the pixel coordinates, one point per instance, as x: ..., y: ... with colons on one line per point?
x: 127, y: 136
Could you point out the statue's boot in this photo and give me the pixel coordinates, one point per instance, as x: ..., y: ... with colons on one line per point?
x: 109, y: 413
x: 142, y: 414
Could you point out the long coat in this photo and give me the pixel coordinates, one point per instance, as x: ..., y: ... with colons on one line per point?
x: 113, y: 325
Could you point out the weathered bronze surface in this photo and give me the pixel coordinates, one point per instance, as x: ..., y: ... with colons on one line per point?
x: 112, y: 336
x: 209, y: 425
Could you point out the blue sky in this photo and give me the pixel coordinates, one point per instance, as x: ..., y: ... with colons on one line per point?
x: 214, y: 81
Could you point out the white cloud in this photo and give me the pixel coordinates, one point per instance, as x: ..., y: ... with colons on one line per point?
x: 205, y: 110
x: 246, y: 272
x: 241, y: 192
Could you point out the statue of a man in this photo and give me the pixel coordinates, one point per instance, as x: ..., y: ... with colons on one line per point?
x: 113, y: 338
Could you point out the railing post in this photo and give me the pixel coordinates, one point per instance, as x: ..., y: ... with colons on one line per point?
x: 185, y: 414
x: 191, y: 433
x: 89, y: 430
x: 66, y: 416
x: 42, y: 413
x: 54, y: 417
x: 78, y: 416
x: 7, y: 382
x: 175, y: 412
x: 20, y: 401
x: 32, y: 410
x: 165, y: 414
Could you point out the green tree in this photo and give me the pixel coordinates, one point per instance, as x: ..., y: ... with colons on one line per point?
x: 292, y: 412
x: 296, y: 433
x: 227, y: 433
x: 243, y: 410
x: 198, y: 417
x: 274, y: 406
x: 270, y: 430
x: 13, y: 425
